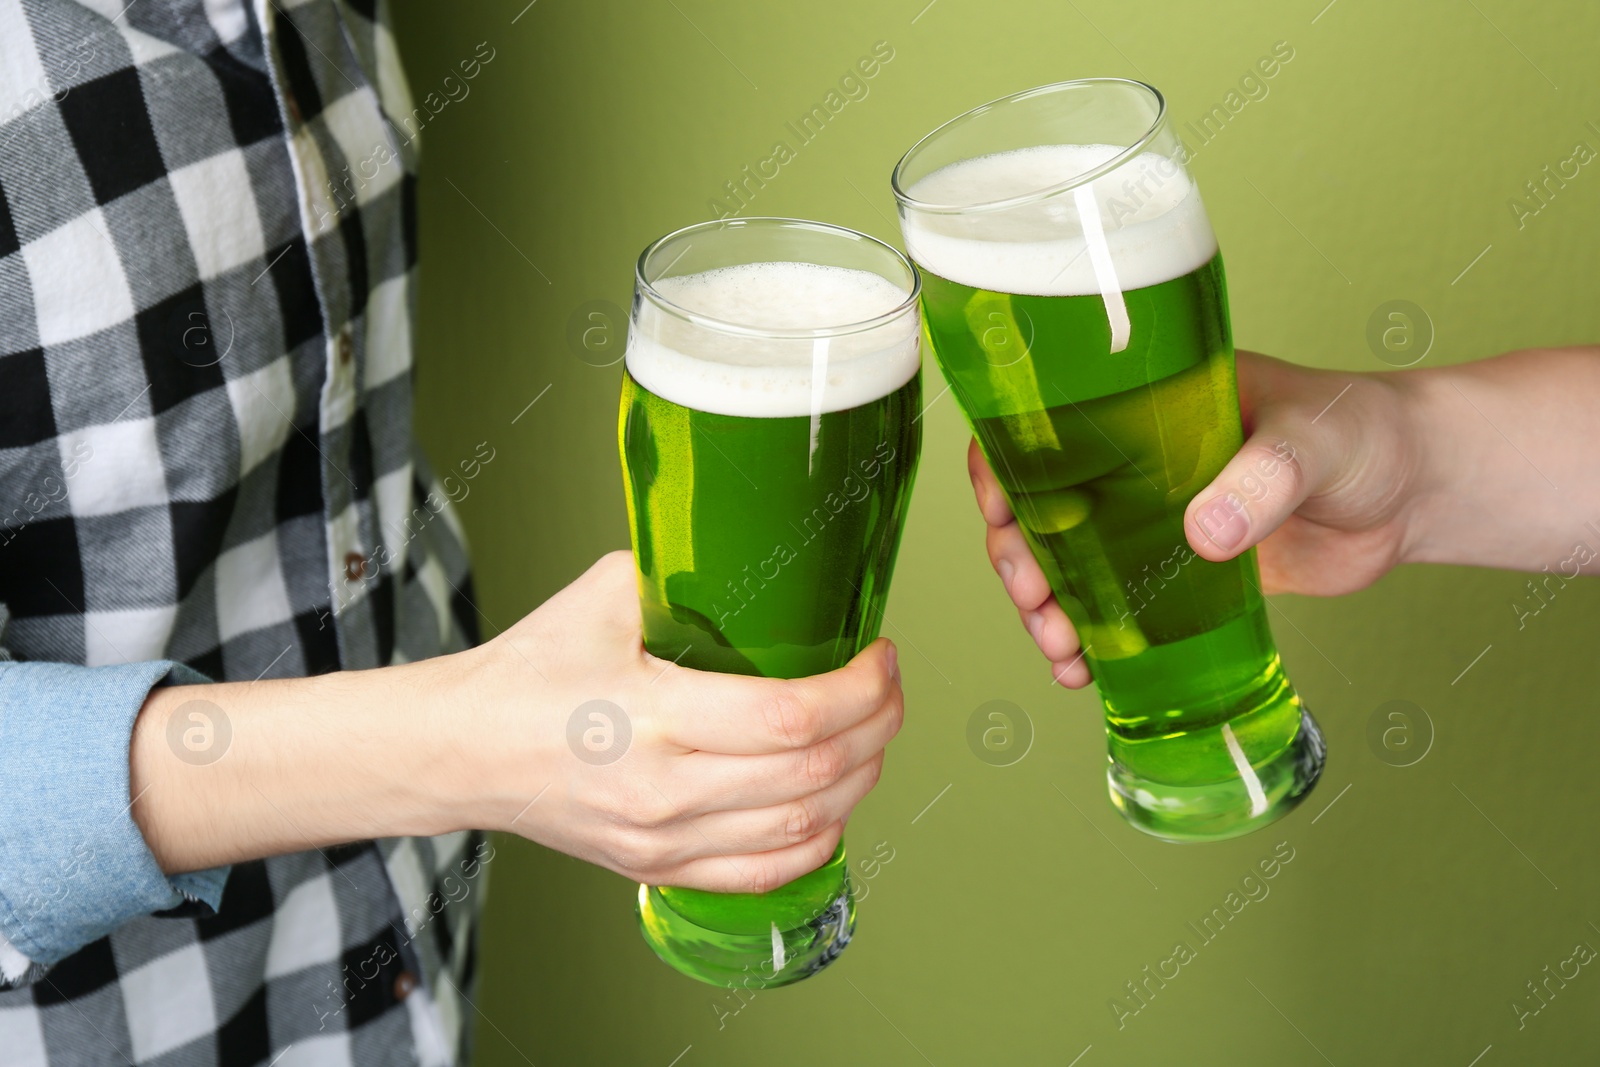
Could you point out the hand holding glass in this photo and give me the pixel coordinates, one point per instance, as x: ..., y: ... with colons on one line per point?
x: 769, y: 443
x: 1074, y: 297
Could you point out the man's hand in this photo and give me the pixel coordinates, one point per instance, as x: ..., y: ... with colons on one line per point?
x: 1325, y: 484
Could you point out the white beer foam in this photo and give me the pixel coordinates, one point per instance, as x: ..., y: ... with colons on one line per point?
x: 1154, y: 222
x: 706, y: 369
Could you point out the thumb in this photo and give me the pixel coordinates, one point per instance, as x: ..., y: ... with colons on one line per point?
x: 1256, y: 492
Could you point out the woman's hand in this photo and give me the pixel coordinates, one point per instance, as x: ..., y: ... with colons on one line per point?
x: 1326, y: 485
x: 727, y: 783
x: 720, y: 782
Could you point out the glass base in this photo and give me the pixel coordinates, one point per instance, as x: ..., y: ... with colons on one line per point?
x: 1261, y: 794
x: 748, y: 961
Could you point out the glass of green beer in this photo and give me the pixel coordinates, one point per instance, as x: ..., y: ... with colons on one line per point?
x: 1074, y: 297
x: 769, y: 439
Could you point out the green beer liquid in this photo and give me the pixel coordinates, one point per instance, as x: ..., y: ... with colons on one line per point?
x: 759, y: 555
x: 1099, y: 453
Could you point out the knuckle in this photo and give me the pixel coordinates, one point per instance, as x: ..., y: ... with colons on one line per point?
x: 791, y: 719
x: 658, y: 850
x: 882, y: 681
x: 634, y: 851
x: 1277, y: 463
x: 765, y: 874
x: 875, y: 773
x: 995, y: 541
x: 802, y: 820
x: 820, y: 848
x: 652, y: 727
x: 641, y: 807
x: 1269, y: 470
x: 613, y: 567
x: 823, y: 763
x: 977, y: 466
x: 897, y: 711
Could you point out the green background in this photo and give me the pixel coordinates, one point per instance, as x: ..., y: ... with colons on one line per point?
x: 1378, y: 167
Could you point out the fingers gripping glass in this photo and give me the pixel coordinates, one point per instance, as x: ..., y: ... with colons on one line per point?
x: 1074, y: 298
x: 769, y: 441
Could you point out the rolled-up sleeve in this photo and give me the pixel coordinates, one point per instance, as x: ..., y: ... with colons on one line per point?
x: 73, y: 863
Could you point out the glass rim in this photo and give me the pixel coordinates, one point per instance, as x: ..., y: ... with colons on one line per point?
x: 906, y: 200
x: 778, y: 222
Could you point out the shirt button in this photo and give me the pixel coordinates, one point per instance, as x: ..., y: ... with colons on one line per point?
x: 404, y: 983
x: 355, y: 566
x: 347, y: 346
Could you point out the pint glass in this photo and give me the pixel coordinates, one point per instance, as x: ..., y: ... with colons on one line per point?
x: 769, y: 439
x: 1074, y: 297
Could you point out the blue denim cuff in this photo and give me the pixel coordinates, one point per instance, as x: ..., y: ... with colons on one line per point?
x: 73, y: 864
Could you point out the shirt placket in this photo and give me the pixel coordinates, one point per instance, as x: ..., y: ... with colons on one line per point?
x: 350, y: 527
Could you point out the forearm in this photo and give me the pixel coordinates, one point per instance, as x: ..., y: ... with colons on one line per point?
x: 1508, y: 474
x: 307, y: 762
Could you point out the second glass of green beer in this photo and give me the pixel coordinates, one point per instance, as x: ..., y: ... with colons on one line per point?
x: 769, y: 439
x: 1074, y: 298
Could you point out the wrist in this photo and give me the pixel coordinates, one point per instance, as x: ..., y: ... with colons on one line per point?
x: 1432, y: 461
x: 510, y: 728
x: 480, y: 725
x: 445, y: 784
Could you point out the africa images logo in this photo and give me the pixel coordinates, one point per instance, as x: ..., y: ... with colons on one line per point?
x: 599, y: 732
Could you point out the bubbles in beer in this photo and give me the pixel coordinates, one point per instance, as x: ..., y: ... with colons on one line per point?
x: 741, y: 372
x: 1150, y: 213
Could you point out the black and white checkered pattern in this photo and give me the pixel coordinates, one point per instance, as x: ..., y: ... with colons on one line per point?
x: 207, y: 265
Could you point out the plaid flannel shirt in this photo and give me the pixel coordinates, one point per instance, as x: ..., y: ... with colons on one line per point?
x: 207, y: 271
